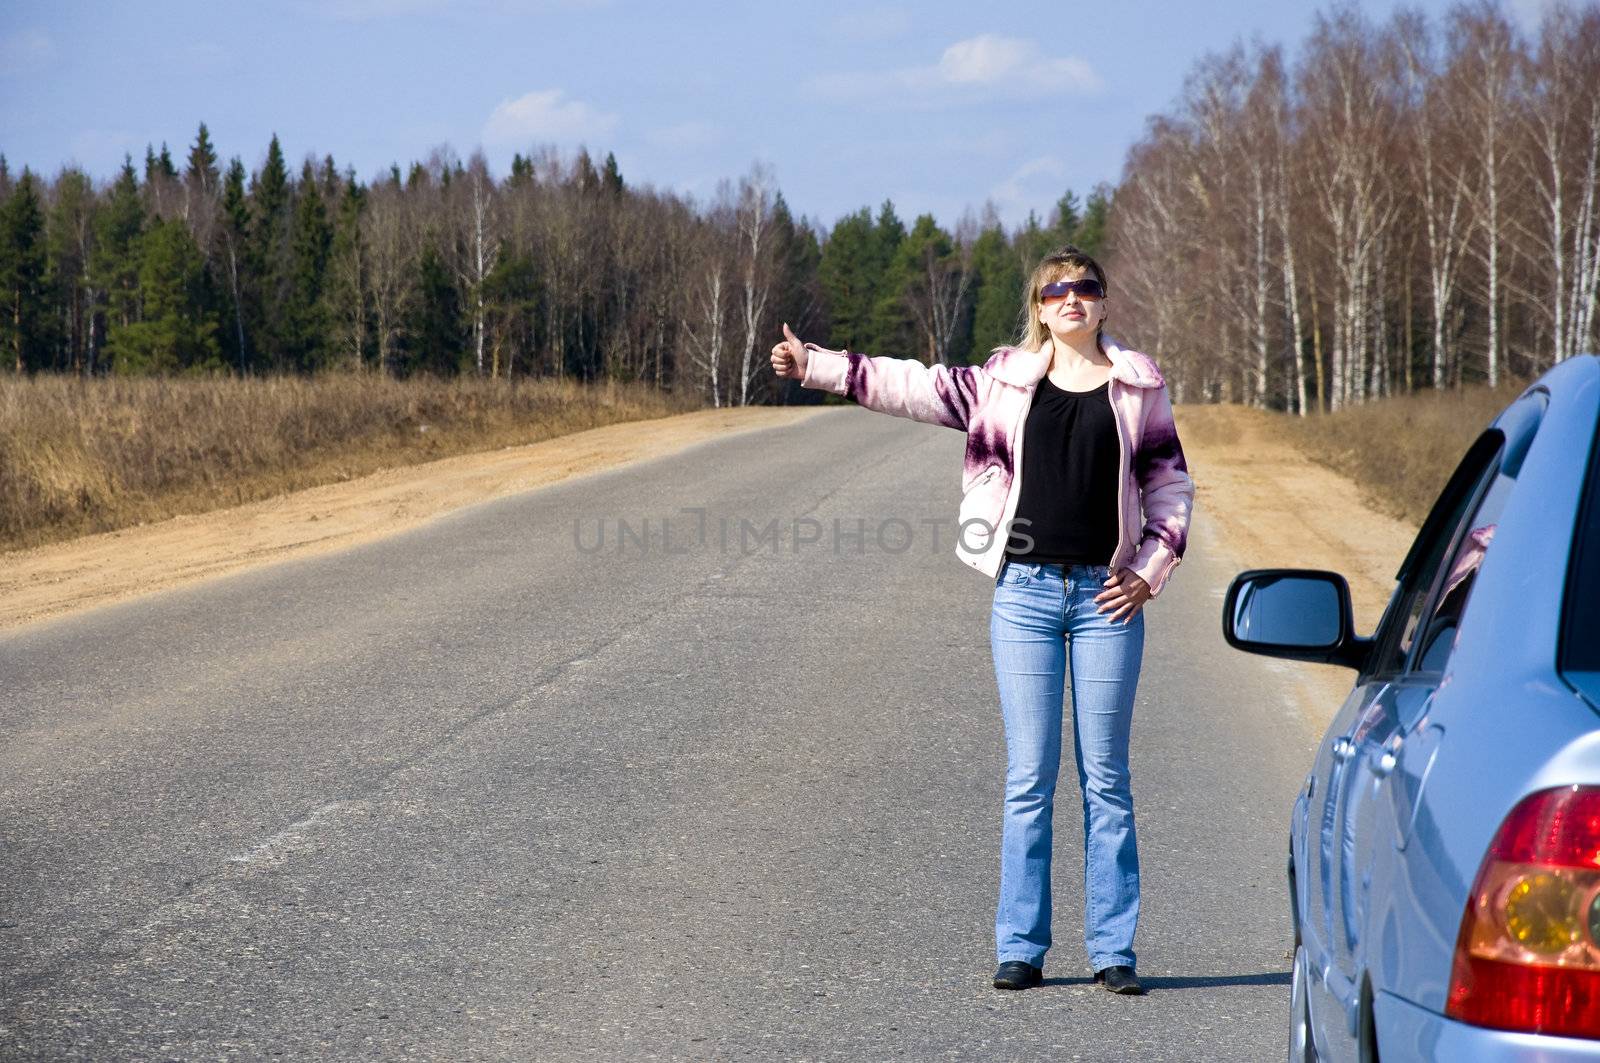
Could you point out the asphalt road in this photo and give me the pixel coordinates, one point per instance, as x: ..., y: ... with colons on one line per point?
x: 483, y: 792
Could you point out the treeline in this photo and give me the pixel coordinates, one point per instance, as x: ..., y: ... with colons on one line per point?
x: 558, y: 269
x: 1410, y: 205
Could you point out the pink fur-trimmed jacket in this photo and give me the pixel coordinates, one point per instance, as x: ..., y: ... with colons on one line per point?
x: 990, y: 402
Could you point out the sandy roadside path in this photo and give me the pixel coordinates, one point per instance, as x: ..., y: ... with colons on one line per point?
x: 1277, y: 508
x: 61, y: 578
x: 1268, y: 505
x: 1272, y: 507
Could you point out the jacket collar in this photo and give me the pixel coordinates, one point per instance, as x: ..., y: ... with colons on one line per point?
x: 1024, y: 367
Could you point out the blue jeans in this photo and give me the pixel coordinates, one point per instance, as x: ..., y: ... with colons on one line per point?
x: 1042, y: 616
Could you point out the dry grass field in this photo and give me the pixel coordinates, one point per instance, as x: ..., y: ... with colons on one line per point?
x: 1400, y: 450
x: 82, y: 456
x: 85, y: 456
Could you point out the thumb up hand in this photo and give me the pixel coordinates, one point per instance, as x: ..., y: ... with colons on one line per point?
x: 789, y: 357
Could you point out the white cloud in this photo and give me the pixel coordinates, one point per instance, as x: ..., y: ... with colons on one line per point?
x: 25, y: 51
x: 984, y: 59
x: 545, y: 115
x: 989, y: 59
x: 981, y: 67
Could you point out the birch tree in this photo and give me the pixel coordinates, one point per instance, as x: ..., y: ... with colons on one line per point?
x: 1438, y: 170
x: 1563, y: 170
x: 711, y: 303
x: 1349, y: 120
x: 753, y: 218
x: 391, y: 256
x: 938, y: 276
x: 1485, y: 42
x: 482, y: 247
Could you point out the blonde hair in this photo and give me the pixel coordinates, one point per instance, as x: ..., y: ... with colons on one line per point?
x: 1053, y: 267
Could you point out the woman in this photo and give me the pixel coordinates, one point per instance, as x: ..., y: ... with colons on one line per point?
x: 1076, y: 501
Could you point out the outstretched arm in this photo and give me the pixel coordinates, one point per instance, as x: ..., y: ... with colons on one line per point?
x: 904, y: 387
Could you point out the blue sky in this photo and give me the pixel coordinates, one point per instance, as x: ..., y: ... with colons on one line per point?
x: 937, y: 105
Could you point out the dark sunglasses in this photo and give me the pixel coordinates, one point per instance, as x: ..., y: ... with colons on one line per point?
x: 1087, y: 288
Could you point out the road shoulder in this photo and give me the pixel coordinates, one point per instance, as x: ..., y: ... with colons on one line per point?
x: 53, y: 581
x: 1262, y: 504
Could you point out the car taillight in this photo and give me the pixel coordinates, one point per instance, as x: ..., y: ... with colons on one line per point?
x: 1528, y: 956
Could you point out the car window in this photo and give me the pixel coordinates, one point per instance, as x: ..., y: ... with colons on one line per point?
x: 1453, y: 582
x: 1432, y: 562
x: 1402, y: 619
x: 1458, y: 579
x: 1580, y: 638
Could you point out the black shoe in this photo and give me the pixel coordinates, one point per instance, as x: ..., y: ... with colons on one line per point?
x: 1014, y: 974
x: 1120, y: 979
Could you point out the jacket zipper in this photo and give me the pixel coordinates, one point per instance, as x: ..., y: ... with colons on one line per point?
x: 1014, y: 495
x: 1124, y: 470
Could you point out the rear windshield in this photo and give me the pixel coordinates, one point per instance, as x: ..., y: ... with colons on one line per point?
x: 1580, y: 641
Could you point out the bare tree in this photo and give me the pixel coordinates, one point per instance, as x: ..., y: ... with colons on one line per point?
x: 752, y: 211
x: 939, y: 285
x: 1484, y: 40
x: 710, y: 305
x: 1349, y: 123
x: 349, y: 282
x: 1151, y: 257
x: 1563, y: 169
x: 391, y: 253
x: 1437, y: 162
x: 1417, y: 202
x: 1271, y: 106
x: 481, y: 246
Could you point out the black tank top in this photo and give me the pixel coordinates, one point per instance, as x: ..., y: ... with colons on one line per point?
x: 1071, y: 462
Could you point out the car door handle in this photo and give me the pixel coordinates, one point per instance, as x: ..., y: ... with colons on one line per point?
x: 1386, y: 760
x: 1343, y: 749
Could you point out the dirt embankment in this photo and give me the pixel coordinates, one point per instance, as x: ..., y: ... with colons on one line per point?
x: 1271, y: 505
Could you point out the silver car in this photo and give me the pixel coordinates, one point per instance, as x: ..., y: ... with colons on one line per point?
x: 1444, y: 853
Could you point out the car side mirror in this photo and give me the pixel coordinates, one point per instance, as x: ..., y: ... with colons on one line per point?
x: 1297, y: 614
